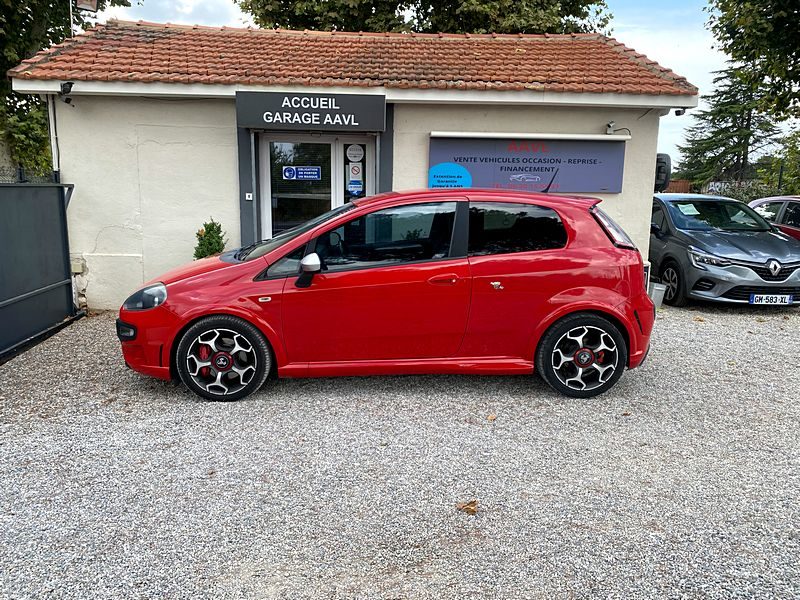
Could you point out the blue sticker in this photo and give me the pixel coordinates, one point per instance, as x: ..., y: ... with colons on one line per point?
x: 355, y: 187
x: 302, y: 173
x: 449, y: 175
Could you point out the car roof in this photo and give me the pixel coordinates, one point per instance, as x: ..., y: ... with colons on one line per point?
x: 672, y: 197
x: 777, y: 199
x: 482, y: 194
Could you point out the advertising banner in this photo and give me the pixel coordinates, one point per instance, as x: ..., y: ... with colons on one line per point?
x: 570, y: 166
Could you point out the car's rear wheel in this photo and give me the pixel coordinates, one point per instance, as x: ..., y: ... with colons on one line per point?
x: 223, y: 358
x: 672, y: 277
x: 582, y: 355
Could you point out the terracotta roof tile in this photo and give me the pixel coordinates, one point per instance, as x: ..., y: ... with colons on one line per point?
x: 154, y: 52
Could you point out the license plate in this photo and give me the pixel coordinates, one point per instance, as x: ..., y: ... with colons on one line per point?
x: 771, y: 298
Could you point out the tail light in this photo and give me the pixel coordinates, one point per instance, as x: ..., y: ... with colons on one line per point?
x: 614, y: 232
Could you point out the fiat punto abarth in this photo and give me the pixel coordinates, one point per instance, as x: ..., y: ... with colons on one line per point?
x: 436, y: 281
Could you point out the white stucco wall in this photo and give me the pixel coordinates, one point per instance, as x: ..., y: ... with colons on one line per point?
x: 414, y: 122
x: 147, y: 173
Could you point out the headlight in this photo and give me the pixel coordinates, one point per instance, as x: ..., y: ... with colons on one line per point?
x: 149, y: 297
x: 700, y: 259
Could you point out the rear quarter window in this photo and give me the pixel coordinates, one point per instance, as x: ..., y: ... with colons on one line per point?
x: 504, y: 228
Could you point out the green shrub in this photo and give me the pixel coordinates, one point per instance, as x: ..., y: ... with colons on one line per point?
x: 210, y: 240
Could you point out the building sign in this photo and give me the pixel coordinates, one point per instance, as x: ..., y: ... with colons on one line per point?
x: 571, y: 166
x: 302, y: 173
x: 311, y: 112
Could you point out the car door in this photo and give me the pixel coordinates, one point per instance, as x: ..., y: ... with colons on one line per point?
x: 393, y: 285
x: 790, y: 220
x: 517, y: 262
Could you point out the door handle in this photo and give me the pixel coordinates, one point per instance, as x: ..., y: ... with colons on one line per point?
x: 445, y: 279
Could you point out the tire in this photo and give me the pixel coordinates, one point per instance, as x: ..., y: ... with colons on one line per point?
x: 576, y: 338
x: 672, y: 277
x: 223, y: 358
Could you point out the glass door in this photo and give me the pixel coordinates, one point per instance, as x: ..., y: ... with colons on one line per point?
x: 304, y: 176
x: 301, y: 186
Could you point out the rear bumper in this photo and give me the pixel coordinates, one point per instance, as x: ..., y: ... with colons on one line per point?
x: 641, y: 314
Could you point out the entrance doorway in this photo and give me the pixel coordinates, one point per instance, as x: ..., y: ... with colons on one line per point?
x: 303, y: 176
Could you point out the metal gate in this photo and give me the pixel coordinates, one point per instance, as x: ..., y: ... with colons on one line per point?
x: 35, y: 278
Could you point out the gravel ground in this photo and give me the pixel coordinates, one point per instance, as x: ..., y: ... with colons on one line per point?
x: 683, y: 481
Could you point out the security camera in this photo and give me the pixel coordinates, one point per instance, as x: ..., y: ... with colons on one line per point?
x: 679, y: 112
x: 610, y: 127
x: 66, y: 88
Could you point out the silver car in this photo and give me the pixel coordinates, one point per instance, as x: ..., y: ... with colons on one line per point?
x: 714, y: 248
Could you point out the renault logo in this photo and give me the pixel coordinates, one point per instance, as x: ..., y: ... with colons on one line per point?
x: 774, y: 267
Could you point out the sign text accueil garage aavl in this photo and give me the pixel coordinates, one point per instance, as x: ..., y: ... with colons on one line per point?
x: 331, y: 112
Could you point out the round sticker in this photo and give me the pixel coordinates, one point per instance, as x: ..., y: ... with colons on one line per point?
x: 355, y: 152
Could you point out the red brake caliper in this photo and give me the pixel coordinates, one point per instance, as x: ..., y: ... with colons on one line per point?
x: 204, y: 352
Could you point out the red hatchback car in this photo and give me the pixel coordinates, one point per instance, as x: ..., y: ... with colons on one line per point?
x: 436, y: 281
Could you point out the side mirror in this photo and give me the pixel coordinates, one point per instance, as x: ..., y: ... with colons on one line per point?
x: 655, y: 229
x: 311, y: 263
x: 308, y: 266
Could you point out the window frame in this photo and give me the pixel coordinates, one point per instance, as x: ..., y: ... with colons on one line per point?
x: 502, y: 202
x: 458, y: 235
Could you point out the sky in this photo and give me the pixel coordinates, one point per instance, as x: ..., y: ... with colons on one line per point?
x: 671, y: 33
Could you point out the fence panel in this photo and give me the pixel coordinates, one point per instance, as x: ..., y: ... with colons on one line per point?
x: 35, y: 282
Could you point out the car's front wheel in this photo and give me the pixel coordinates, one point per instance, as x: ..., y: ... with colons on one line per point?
x: 672, y: 278
x: 582, y: 355
x: 223, y: 358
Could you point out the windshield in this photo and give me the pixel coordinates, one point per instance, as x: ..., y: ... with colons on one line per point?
x: 708, y: 215
x: 263, y: 247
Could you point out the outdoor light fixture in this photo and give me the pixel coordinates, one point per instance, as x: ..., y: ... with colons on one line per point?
x: 66, y: 88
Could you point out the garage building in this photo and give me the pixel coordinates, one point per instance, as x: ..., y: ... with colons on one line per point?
x: 161, y: 127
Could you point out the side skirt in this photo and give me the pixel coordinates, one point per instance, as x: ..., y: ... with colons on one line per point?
x: 499, y: 365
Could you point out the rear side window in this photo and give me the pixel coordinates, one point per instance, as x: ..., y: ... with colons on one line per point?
x: 792, y: 215
x: 504, y: 228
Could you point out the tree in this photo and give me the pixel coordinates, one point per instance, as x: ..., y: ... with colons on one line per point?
x: 726, y: 136
x: 764, y: 34
x: 25, y: 28
x: 426, y: 16
x: 781, y: 170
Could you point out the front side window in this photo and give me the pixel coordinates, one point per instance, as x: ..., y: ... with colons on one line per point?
x: 288, y: 265
x: 792, y: 215
x: 769, y: 210
x: 707, y: 215
x: 259, y: 249
x: 402, y: 234
x: 501, y: 228
x: 658, y: 218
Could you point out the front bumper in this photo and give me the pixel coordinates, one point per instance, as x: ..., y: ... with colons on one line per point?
x: 735, y: 283
x: 145, y: 337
